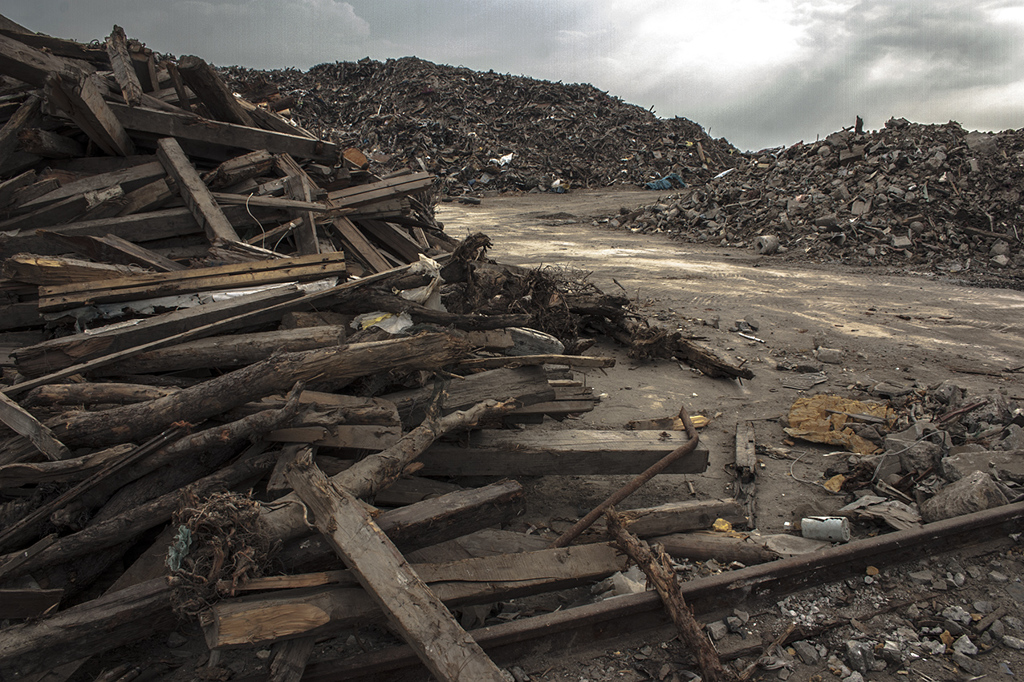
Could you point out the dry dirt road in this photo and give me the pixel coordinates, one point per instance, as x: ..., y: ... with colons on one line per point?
x: 915, y: 331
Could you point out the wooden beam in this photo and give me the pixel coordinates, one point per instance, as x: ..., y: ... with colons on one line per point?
x: 416, y: 612
x: 221, y: 135
x: 114, y: 249
x: 153, y: 285
x: 136, y: 175
x: 80, y: 99
x: 54, y: 355
x: 23, y: 423
x: 359, y: 245
x: 121, y: 63
x: 22, y: 117
x: 184, y: 102
x: 29, y: 64
x: 394, y: 239
x: 300, y: 187
x: 55, y: 270
x: 372, y: 192
x: 212, y: 91
x: 239, y: 169
x: 561, y: 453
x: 49, y: 145
x: 195, y: 193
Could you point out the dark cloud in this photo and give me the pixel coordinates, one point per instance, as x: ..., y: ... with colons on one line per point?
x: 758, y: 72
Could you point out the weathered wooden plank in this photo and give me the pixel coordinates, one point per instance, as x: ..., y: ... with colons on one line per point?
x: 222, y: 135
x: 421, y: 618
x: 28, y: 63
x: 371, y: 192
x: 239, y: 169
x: 360, y: 245
x: 121, y: 64
x: 212, y: 91
x: 22, y: 117
x: 353, y: 436
x: 570, y: 452
x: 679, y: 517
x: 114, y: 249
x: 184, y: 100
x: 23, y: 423
x: 300, y: 187
x: 48, y: 145
x: 129, y: 178
x: 394, y: 239
x: 162, y: 330
x: 81, y: 100
x: 196, y: 194
x: 56, y: 270
x: 234, y: 276
x: 336, y: 603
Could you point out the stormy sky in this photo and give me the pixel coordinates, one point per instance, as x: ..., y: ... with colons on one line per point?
x: 761, y: 73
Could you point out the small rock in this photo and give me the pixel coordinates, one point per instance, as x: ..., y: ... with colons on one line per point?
x: 1014, y: 438
x: 832, y: 356
x: 859, y: 655
x: 924, y: 576
x: 890, y: 653
x: 901, y: 242
x: 734, y: 624
x: 932, y: 647
x: 836, y: 664
x: 968, y: 664
x: 742, y: 615
x: 997, y: 629
x: 984, y: 607
x: 717, y: 630
x: 1014, y: 623
x: 957, y: 615
x: 1000, y: 260
x: 965, y: 646
x: 518, y: 674
x: 998, y: 577
x: 807, y: 653
x: 176, y: 639
x: 1014, y: 642
x: 854, y: 677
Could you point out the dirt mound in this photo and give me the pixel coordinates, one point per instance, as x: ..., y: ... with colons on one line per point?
x: 489, y: 130
x: 932, y: 198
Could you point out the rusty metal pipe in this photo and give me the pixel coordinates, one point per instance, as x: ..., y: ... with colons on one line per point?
x: 631, y: 487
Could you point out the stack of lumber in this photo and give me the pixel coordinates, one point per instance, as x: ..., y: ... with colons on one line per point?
x: 181, y: 271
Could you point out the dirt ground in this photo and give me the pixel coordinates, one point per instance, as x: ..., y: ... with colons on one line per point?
x: 911, y: 330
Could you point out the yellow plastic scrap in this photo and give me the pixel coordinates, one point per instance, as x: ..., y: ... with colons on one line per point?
x: 721, y: 525
x: 825, y: 418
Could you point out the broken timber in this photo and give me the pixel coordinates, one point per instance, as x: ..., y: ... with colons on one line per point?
x: 416, y: 612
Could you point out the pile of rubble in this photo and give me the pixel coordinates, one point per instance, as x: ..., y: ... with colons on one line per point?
x: 486, y: 131
x: 932, y: 198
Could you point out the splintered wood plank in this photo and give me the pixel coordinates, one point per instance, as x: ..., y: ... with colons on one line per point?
x: 121, y: 63
x: 222, y: 135
x: 9, y: 133
x: 23, y: 423
x: 49, y: 145
x: 235, y: 276
x: 81, y: 100
x: 129, y: 178
x: 240, y: 168
x: 196, y: 194
x: 27, y: 63
x: 179, y: 86
x: 371, y: 192
x: 360, y: 245
x: 114, y: 249
x: 212, y: 91
x: 300, y: 187
x: 396, y: 240
x: 51, y: 270
x: 422, y: 619
x: 571, y: 452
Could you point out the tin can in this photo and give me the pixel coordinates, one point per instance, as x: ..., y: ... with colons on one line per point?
x: 830, y: 528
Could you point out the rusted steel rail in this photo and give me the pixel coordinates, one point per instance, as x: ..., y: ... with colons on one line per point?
x: 560, y: 632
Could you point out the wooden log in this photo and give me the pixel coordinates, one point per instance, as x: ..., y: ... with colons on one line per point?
x: 212, y: 91
x: 219, y: 136
x: 48, y: 145
x: 92, y: 627
x: 525, y: 385
x: 115, y: 250
x: 720, y: 547
x: 56, y: 270
x: 214, y: 396
x: 320, y: 611
x: 679, y: 517
x: 28, y: 111
x: 80, y: 99
x: 585, y: 361
x: 376, y: 300
x: 374, y: 472
x: 59, y: 471
x: 562, y: 453
x: 416, y: 612
x: 153, y: 285
x: 658, y: 569
x: 229, y: 351
x: 28, y: 602
x: 137, y: 520
x: 121, y: 64
x: 161, y: 330
x: 746, y: 469
x: 196, y: 194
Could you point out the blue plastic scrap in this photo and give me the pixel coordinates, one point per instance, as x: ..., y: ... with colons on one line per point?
x: 666, y: 182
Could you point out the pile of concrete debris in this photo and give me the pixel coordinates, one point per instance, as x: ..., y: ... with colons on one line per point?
x: 509, y: 132
x: 923, y: 197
